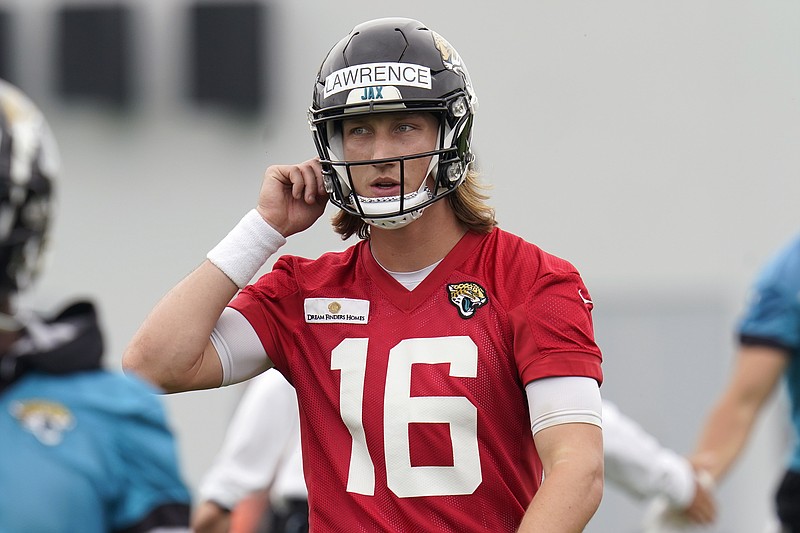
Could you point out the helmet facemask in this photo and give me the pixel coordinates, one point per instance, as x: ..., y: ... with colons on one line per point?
x: 446, y: 170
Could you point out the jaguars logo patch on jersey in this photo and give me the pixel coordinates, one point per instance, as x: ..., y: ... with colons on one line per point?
x: 467, y: 296
x: 47, y: 420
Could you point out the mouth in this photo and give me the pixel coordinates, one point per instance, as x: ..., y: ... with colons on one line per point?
x: 385, y: 187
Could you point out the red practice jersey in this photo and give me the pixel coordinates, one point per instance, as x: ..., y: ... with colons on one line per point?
x: 413, y: 410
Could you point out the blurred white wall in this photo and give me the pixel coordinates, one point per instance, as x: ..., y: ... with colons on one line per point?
x: 653, y: 144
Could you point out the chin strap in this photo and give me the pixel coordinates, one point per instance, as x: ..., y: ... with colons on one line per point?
x: 385, y: 205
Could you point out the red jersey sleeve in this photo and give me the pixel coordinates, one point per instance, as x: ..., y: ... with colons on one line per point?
x: 553, y: 331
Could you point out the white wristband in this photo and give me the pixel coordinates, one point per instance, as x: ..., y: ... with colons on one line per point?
x: 246, y: 248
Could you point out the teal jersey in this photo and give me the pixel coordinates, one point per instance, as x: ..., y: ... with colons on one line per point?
x: 773, y: 319
x: 82, y: 449
x: 87, y: 452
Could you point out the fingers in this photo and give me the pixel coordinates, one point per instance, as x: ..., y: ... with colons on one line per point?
x: 703, y: 508
x: 292, y: 197
x: 304, y: 179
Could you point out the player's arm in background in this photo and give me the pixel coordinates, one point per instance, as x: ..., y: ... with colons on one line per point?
x: 255, y: 443
x: 755, y: 378
x: 638, y: 463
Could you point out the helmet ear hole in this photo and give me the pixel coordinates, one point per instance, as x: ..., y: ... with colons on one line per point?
x: 327, y: 179
x: 454, y: 172
x: 458, y: 108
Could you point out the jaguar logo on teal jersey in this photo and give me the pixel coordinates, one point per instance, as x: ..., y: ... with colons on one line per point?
x: 47, y: 420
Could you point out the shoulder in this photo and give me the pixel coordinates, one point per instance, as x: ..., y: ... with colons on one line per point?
x: 328, y: 259
x: 782, y: 270
x: 786, y: 262
x: 517, y: 271
x: 293, y: 275
x: 132, y: 396
x: 326, y: 268
x: 100, y: 394
x: 128, y: 384
x: 511, y: 249
x: 94, y: 383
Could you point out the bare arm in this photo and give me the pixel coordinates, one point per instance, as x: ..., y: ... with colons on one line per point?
x: 172, y: 348
x: 572, y: 457
x: 755, y: 377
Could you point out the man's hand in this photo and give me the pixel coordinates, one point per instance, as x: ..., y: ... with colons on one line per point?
x: 211, y: 518
x: 292, y: 197
x: 703, y: 507
x: 662, y: 516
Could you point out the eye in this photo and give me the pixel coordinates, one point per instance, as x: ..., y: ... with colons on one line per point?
x: 357, y: 131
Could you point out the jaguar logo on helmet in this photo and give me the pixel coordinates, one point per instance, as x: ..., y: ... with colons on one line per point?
x: 452, y: 61
x: 467, y: 296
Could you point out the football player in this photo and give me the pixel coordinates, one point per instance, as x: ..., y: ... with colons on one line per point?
x: 768, y: 354
x: 446, y: 370
x: 82, y: 449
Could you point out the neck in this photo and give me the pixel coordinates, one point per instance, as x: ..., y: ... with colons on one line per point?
x: 419, y: 244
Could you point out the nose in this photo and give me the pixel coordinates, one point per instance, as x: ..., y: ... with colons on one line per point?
x: 384, y: 147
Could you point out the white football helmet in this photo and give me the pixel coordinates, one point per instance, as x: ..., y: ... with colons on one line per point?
x: 28, y: 167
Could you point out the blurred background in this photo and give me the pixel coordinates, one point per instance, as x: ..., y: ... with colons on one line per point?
x: 653, y: 144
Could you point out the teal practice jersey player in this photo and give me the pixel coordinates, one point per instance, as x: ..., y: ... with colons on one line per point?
x: 81, y: 449
x: 773, y: 319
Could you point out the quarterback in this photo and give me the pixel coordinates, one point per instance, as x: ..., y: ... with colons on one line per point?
x: 446, y: 370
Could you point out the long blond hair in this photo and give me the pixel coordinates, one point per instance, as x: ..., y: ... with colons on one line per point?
x: 468, y: 202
